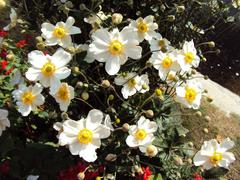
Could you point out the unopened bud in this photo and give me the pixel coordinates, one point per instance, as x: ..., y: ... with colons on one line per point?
x: 218, y: 51
x: 85, y: 85
x: 207, y: 118
x: 194, y: 71
x: 82, y: 7
x: 40, y: 46
x: 178, y: 161
x: 209, y: 99
x: 205, y: 91
x: 189, y: 160
x: 72, y: 50
x: 117, y: 120
x: 64, y: 116
x: 79, y: 84
x: 39, y: 39
x: 158, y: 92
x: 125, y: 127
x: 211, y: 44
x: 138, y: 169
x: 75, y: 69
x: 199, y: 113
x: 149, y: 113
x: 111, y: 157
x: 117, y: 18
x: 5, y: 45
x: 206, y: 77
x: 105, y: 84
x: 81, y: 176
x: 204, y: 59
x: 2, y: 4
x: 190, y: 144
x: 205, y: 130
x: 111, y: 97
x: 144, y: 87
x: 151, y: 151
x: 85, y: 96
x: 171, y: 18
x: 10, y: 57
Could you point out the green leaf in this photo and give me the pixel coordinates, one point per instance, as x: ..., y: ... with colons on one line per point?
x: 155, y: 177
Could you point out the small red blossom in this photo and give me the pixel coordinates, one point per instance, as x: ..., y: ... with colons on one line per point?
x: 21, y: 44
x: 4, y: 167
x: 3, y: 64
x: 197, y: 176
x: 145, y: 175
x: 9, y: 71
x: 3, y: 54
x: 3, y: 33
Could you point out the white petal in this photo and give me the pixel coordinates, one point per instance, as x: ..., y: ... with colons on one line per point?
x: 108, y: 123
x: 199, y: 159
x: 39, y: 100
x: 47, y: 30
x: 33, y: 74
x: 65, y: 138
x: 131, y: 141
x: 45, y: 81
x: 101, y: 132
x: 54, y: 83
x: 229, y: 156
x: 60, y: 58
x: 37, y: 59
x: 62, y: 73
x: 37, y: 89
x: 74, y: 30
x: 226, y: 144
x: 70, y: 21
x: 112, y: 65
x: 134, y: 52
x: 94, y: 119
x: 72, y: 127
x: 23, y: 109
x: 66, y: 41
x: 88, y: 153
x: 51, y: 41
x: 75, y: 148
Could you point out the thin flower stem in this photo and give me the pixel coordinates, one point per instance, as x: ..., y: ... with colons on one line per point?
x: 80, y: 99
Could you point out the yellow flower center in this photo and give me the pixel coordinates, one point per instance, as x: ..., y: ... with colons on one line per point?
x: 63, y: 92
x: 85, y: 136
x: 216, y: 158
x: 161, y: 43
x: 59, y: 32
x: 28, y: 98
x: 167, y: 62
x: 116, y: 47
x: 132, y: 83
x: 142, y: 27
x: 48, y: 69
x: 189, y: 57
x: 140, y: 134
x: 190, y: 94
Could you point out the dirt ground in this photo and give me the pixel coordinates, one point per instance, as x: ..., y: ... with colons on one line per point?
x: 219, y: 126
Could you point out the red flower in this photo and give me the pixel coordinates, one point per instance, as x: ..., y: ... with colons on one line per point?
x: 197, y: 176
x: 4, y: 167
x: 9, y: 71
x: 3, y: 33
x: 145, y: 175
x: 3, y: 64
x: 21, y: 43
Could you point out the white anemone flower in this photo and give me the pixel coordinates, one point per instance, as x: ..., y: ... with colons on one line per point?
x: 190, y: 94
x: 96, y: 20
x: 164, y: 63
x: 28, y: 98
x: 145, y: 28
x: 4, y: 122
x: 189, y: 57
x: 63, y: 95
x: 160, y: 43
x: 132, y: 83
x: 13, y: 18
x: 213, y: 154
x: 49, y: 70
x: 60, y: 33
x: 141, y: 135
x: 114, y: 48
x: 83, y: 137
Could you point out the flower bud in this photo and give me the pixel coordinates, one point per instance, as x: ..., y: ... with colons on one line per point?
x: 105, y: 84
x: 218, y: 51
x: 171, y: 18
x: 39, y: 39
x: 149, y: 113
x: 82, y: 7
x: 144, y: 87
x: 190, y: 144
x: 85, y: 96
x: 207, y: 118
x: 209, y: 99
x: 117, y: 120
x: 205, y: 130
x: 98, y: 178
x: 64, y: 116
x: 211, y: 44
x: 204, y: 59
x: 111, y: 97
x: 75, y: 69
x: 206, y: 77
x: 189, y: 160
x: 199, y: 114
x: 2, y: 4
x: 85, y: 85
x: 40, y: 46
x: 5, y: 45
x: 180, y: 9
x: 205, y: 91
x: 178, y: 161
x: 151, y: 150
x: 10, y: 57
x: 194, y: 71
x: 125, y: 127
x: 138, y: 169
x: 72, y: 50
x: 81, y: 176
x: 111, y: 157
x: 79, y: 84
x: 117, y: 18
x: 158, y: 92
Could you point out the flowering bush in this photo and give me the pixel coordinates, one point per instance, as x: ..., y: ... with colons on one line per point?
x: 94, y: 94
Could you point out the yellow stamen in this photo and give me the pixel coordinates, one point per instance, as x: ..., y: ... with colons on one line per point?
x: 28, y: 98
x: 116, y: 47
x: 48, y: 69
x: 59, y: 32
x: 132, y: 83
x: 189, y: 57
x: 63, y: 92
x: 167, y: 62
x: 216, y: 158
x: 140, y: 134
x: 142, y: 27
x: 85, y: 136
x: 190, y: 94
x: 161, y: 43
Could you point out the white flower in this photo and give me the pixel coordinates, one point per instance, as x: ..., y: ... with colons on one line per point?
x: 114, y: 48
x: 189, y: 57
x: 4, y: 122
x: 28, y: 98
x: 141, y: 135
x: 84, y: 136
x: 145, y: 28
x: 96, y: 20
x: 164, y: 63
x: 32, y: 177
x: 132, y: 83
x: 63, y: 95
x: 190, y: 94
x: 17, y: 78
x: 49, y: 70
x: 60, y: 33
x: 213, y: 154
x: 160, y: 43
x: 13, y: 18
